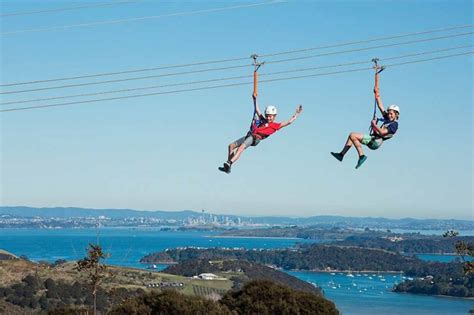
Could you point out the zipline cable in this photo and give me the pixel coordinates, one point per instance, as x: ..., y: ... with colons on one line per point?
x: 127, y: 79
x: 70, y: 8
x: 64, y: 27
x: 232, y: 84
x: 368, y: 40
x: 130, y: 71
x: 370, y: 48
x: 238, y: 59
x: 232, y: 78
x: 234, y: 67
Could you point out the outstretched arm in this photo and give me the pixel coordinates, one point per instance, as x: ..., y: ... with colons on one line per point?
x: 378, y: 99
x: 299, y: 109
x: 255, y: 93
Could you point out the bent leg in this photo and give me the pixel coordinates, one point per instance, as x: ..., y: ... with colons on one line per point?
x: 232, y: 149
x: 247, y: 141
x: 347, y: 146
x: 356, y: 139
x: 237, y: 154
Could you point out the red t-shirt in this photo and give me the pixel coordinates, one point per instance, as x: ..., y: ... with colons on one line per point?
x: 264, y: 130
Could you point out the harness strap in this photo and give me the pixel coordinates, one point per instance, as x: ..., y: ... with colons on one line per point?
x: 255, y: 84
x: 377, y: 71
x: 388, y: 136
x: 255, y: 118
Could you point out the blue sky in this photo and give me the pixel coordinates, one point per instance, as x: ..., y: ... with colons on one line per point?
x: 162, y: 152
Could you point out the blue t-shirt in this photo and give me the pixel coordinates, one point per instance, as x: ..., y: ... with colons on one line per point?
x: 391, y: 126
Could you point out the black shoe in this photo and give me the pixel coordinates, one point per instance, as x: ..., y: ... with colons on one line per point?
x: 338, y: 156
x: 225, y: 168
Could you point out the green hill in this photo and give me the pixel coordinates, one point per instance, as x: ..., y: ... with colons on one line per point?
x: 36, y: 288
x: 256, y: 297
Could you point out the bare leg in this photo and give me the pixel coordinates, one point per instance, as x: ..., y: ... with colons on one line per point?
x: 231, y: 151
x: 237, y: 154
x: 356, y: 139
x: 233, y: 154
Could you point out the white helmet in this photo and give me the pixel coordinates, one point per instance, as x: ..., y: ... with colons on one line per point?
x: 270, y: 110
x: 394, y: 107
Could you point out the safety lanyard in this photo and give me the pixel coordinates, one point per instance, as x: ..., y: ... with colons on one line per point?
x: 377, y: 71
x: 256, y: 65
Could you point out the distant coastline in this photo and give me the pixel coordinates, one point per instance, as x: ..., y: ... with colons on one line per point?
x: 73, y: 217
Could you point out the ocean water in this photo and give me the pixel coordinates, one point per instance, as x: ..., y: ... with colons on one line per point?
x: 370, y: 294
x: 125, y: 246
x: 441, y: 258
x: 360, y: 294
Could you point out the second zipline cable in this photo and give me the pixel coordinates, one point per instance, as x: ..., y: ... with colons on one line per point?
x: 232, y: 78
x: 241, y: 66
x: 232, y: 84
x: 240, y: 58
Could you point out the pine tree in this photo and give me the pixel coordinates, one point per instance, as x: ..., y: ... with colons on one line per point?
x: 95, y: 269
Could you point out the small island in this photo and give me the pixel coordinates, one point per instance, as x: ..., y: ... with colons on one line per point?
x: 427, y: 277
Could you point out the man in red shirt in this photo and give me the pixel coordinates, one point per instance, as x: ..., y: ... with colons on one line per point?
x: 261, y: 128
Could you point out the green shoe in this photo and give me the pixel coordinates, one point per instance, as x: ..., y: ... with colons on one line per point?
x: 361, y: 161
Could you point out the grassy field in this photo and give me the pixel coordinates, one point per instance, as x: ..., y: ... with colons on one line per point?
x: 13, y: 271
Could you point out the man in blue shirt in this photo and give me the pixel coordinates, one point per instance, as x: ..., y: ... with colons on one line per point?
x: 379, y: 133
